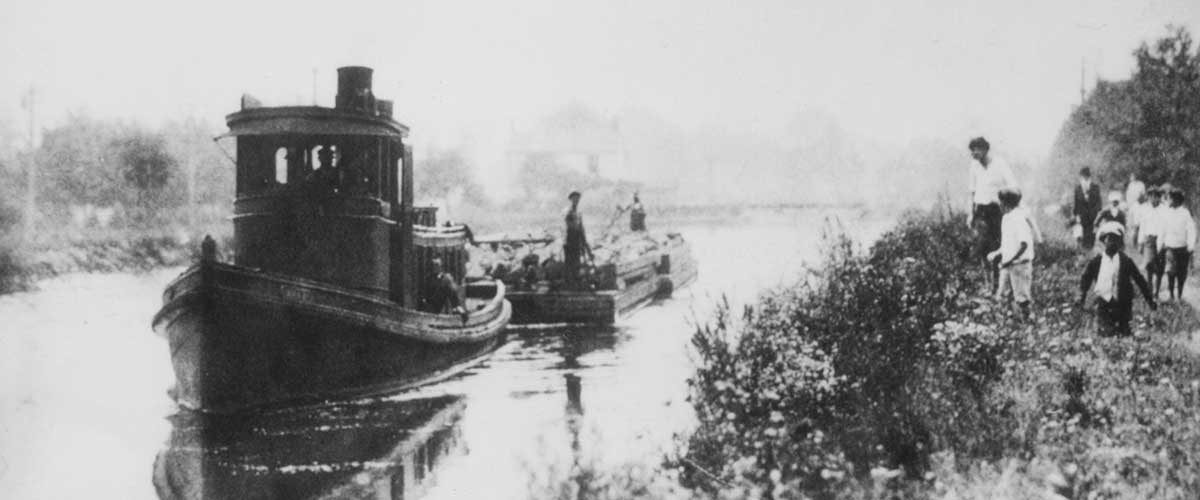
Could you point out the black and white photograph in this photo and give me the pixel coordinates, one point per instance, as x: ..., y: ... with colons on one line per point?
x: 599, y: 250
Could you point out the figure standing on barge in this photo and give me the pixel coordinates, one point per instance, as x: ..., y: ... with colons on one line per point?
x: 576, y: 245
x: 637, y: 215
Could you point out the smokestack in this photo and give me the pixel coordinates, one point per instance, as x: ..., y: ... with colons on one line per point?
x: 354, y: 89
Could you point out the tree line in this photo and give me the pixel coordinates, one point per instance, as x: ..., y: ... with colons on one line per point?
x: 1147, y: 125
x: 140, y: 177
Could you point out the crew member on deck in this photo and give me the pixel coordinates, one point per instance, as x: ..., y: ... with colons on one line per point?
x: 324, y: 179
x: 576, y: 245
x: 637, y: 215
x: 444, y: 292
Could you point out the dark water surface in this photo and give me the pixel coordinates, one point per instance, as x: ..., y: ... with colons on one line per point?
x: 85, y: 412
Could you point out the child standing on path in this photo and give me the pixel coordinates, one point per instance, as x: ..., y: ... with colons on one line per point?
x: 1178, y: 238
x: 1146, y: 237
x: 1015, y: 255
x: 1112, y: 275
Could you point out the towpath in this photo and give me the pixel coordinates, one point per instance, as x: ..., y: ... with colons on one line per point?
x: 1192, y: 296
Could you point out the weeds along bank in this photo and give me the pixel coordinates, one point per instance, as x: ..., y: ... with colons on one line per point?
x: 889, y: 372
x: 21, y: 266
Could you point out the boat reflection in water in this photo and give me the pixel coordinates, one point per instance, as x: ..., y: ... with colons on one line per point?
x: 564, y: 346
x: 380, y: 449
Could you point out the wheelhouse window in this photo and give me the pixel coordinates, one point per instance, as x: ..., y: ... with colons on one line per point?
x: 320, y: 165
x: 281, y: 165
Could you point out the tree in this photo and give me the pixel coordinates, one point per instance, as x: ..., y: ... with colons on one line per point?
x: 12, y: 172
x: 1148, y: 125
x: 146, y: 166
x: 77, y: 163
x: 447, y: 173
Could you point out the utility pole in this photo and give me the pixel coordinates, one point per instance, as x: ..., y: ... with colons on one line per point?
x: 314, y: 87
x: 1082, y: 67
x: 28, y: 103
x: 191, y: 193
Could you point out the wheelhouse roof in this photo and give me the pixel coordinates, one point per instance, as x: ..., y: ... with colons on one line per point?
x: 310, y: 120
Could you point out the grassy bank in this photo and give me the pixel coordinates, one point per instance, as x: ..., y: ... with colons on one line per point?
x: 888, y: 374
x: 22, y: 265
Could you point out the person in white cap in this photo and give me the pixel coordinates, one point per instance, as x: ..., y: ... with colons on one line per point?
x: 1113, y: 212
x: 1112, y: 275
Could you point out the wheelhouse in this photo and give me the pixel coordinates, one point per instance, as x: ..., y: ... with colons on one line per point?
x: 327, y: 193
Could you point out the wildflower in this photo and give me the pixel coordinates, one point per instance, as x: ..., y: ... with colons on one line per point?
x: 835, y: 475
x: 884, y: 474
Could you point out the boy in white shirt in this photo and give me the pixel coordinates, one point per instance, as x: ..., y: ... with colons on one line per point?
x: 1177, y: 238
x: 1015, y: 256
x: 1145, y: 236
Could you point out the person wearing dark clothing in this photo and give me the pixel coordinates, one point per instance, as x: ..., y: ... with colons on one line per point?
x: 988, y: 175
x: 552, y: 269
x: 637, y: 215
x: 527, y: 276
x: 1087, y: 206
x: 1112, y: 212
x: 1112, y: 275
x: 444, y: 293
x: 324, y: 179
x: 576, y: 247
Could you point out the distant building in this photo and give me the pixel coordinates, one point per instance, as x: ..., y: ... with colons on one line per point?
x: 576, y: 138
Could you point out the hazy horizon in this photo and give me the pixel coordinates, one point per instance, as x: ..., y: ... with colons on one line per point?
x: 464, y: 74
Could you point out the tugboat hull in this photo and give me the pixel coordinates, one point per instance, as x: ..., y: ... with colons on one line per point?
x: 244, y: 339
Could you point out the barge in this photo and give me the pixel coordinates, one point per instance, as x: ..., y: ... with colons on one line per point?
x: 614, y: 290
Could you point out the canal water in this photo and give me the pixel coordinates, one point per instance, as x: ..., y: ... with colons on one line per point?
x: 84, y: 411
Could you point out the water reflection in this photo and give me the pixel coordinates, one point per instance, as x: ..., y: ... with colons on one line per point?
x: 377, y: 449
x: 566, y: 344
x: 575, y: 424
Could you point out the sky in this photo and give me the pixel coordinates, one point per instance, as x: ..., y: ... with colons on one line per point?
x: 464, y: 73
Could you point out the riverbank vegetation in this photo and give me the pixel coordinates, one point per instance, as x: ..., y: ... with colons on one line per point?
x: 890, y: 373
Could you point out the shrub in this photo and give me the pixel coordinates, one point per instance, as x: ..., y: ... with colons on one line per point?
x: 833, y: 377
x: 886, y: 374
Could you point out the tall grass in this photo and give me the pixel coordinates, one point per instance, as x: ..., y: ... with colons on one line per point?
x: 890, y: 373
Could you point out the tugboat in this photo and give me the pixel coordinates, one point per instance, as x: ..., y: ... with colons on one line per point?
x: 339, y: 287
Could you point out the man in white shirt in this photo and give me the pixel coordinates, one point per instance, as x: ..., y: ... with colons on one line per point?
x: 1148, y: 220
x: 988, y: 175
x: 1135, y: 190
x: 1178, y: 238
x: 1015, y: 256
